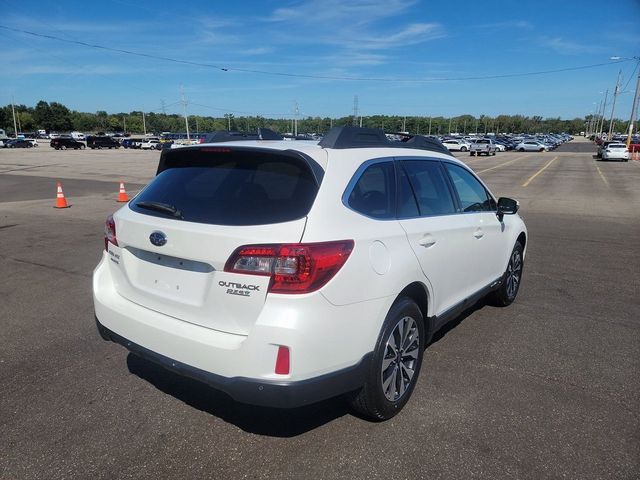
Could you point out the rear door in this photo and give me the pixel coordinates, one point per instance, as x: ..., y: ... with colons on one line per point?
x: 438, y: 235
x: 175, y: 237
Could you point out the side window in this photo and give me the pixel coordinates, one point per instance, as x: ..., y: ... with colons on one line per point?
x: 430, y: 187
x: 407, y: 206
x: 472, y: 194
x: 374, y: 193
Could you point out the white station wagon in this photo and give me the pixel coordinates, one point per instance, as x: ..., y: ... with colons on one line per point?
x: 284, y: 273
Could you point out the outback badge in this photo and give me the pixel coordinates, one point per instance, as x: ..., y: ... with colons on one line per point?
x: 158, y: 238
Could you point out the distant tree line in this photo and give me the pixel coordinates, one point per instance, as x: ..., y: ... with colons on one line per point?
x: 56, y: 117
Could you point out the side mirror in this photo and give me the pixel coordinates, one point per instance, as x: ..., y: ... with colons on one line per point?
x: 506, y: 206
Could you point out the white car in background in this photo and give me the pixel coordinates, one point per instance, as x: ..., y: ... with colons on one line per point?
x: 456, y: 145
x: 616, y: 151
x: 150, y: 144
x: 284, y: 272
x: 531, y: 146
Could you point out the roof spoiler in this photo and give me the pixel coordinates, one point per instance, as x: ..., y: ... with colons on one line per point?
x: 358, y: 137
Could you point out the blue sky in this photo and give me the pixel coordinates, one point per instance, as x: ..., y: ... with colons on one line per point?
x: 399, y: 41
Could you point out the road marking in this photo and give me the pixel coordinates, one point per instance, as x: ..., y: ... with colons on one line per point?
x: 604, y: 179
x: 539, y: 171
x: 501, y: 164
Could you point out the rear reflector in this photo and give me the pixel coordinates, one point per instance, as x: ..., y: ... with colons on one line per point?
x: 110, y: 232
x: 293, y: 268
x: 282, y: 361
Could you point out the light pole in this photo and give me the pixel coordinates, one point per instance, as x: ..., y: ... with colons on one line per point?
x: 613, y: 105
x: 634, y: 108
x: 604, y: 107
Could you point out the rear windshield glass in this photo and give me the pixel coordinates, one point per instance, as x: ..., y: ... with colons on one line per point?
x: 229, y: 188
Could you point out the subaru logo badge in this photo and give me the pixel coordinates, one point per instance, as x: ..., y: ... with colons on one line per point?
x: 158, y: 238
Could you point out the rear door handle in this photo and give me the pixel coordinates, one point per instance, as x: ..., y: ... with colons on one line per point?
x: 427, y: 241
x: 478, y: 233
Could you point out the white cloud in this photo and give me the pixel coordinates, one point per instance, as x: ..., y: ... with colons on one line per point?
x: 567, y: 47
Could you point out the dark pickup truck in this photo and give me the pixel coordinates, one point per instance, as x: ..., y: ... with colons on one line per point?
x: 101, y: 142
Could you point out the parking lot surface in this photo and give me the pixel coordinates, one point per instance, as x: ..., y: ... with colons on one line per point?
x: 546, y: 388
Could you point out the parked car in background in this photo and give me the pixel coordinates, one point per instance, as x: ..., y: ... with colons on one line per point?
x: 78, y: 136
x: 100, y: 141
x: 151, y: 144
x: 63, y: 143
x: 531, y: 146
x: 456, y: 145
x: 131, y: 142
x: 18, y: 143
x: 616, y: 151
x: 482, y: 145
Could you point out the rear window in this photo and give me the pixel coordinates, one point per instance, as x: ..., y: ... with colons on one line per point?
x: 229, y: 187
x: 617, y: 145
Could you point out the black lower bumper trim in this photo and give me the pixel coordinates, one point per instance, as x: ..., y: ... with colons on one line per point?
x: 258, y: 392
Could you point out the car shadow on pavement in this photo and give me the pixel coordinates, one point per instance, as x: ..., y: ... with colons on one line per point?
x: 447, y: 327
x: 272, y: 422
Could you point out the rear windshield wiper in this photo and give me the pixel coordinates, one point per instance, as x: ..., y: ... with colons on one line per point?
x: 161, y: 207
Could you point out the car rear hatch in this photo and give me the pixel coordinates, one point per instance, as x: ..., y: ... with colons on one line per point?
x: 175, y: 237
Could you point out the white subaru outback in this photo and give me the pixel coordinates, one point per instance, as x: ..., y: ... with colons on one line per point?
x: 284, y: 273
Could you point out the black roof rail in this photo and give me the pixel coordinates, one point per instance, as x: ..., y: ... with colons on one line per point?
x: 220, y: 136
x: 358, y: 137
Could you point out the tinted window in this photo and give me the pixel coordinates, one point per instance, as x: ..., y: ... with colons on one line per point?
x: 473, y: 196
x: 374, y: 193
x: 232, y: 188
x: 430, y: 187
x: 407, y: 205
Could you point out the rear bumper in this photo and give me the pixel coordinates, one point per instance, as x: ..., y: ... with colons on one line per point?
x: 279, y: 394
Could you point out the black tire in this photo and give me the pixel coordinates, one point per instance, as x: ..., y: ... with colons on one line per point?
x: 472, y: 153
x: 82, y: 147
x: 541, y: 150
x: 463, y: 149
x: 63, y: 147
x: 508, y: 290
x: 521, y: 149
x: 493, y: 153
x: 371, y: 401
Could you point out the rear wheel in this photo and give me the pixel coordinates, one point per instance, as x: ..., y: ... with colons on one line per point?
x: 521, y: 149
x: 463, y: 149
x: 63, y: 147
x: 395, y: 365
x: 508, y: 290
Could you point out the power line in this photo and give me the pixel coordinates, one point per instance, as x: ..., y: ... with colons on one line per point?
x: 317, y: 77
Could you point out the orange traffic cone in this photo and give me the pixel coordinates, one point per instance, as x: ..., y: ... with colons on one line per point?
x: 61, y: 202
x: 122, y: 195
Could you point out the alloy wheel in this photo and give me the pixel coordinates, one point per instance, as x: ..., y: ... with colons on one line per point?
x: 400, y: 358
x: 514, y: 270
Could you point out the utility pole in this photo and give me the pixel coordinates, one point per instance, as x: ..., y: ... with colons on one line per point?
x: 613, y: 105
x: 144, y: 125
x: 356, y: 112
x: 449, y: 125
x: 429, y: 125
x: 634, y: 112
x: 164, y: 107
x: 404, y: 123
x: 604, y: 107
x: 228, y: 122
x: 184, y: 106
x: 124, y: 123
x: 296, y: 111
x: 13, y: 109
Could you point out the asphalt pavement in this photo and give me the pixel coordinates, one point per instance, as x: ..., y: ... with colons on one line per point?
x: 546, y: 388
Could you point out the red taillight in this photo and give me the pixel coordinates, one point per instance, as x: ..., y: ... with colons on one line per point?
x: 293, y: 268
x: 110, y: 232
x: 282, y: 361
